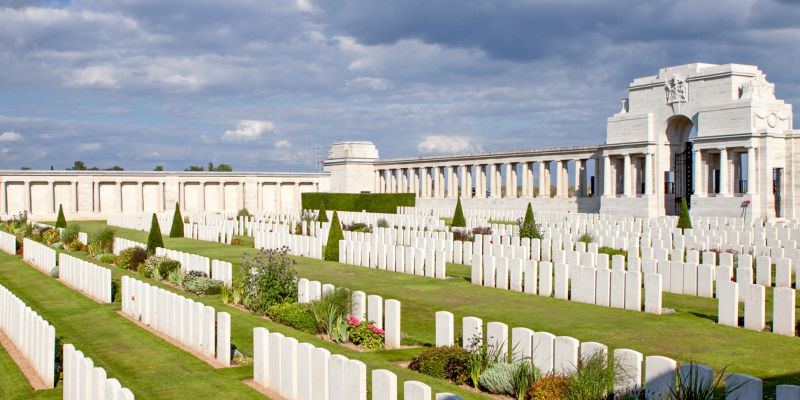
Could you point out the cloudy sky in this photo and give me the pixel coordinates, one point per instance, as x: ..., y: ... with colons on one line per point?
x: 259, y: 84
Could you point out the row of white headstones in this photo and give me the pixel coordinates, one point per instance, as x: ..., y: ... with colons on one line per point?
x: 296, y: 370
x: 191, y: 323
x: 8, y: 243
x: 299, y: 245
x: 563, y: 355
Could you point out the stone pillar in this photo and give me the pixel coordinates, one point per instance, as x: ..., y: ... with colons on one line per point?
x: 626, y: 176
x: 404, y: 180
x: 647, y: 176
x: 119, y: 196
x: 544, y: 184
x: 751, y: 170
x: 463, y: 182
x: 697, y: 172
x: 73, y: 196
x: 492, y: 183
x: 426, y: 183
x: 442, y: 180
x: 607, y: 176
x: 51, y: 204
x: 377, y: 181
x: 580, y: 172
x: 452, y: 181
x: 480, y: 180
x: 415, y: 181
x: 723, y: 172
x: 498, y: 179
x: 511, y: 180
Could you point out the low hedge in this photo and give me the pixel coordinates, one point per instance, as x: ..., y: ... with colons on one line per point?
x: 371, y: 202
x: 451, y: 363
x: 294, y: 315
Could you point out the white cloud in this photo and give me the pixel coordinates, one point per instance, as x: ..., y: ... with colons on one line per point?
x: 90, y: 146
x: 10, y: 136
x: 365, y: 82
x: 306, y: 6
x: 248, y: 130
x: 447, y: 144
x: 282, y: 144
x: 95, y: 75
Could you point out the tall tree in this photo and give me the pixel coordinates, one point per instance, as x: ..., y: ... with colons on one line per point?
x: 61, y: 222
x: 177, y: 223
x: 154, y: 239
x: 334, y: 236
x: 684, y: 220
x: 529, y: 215
x: 323, y: 213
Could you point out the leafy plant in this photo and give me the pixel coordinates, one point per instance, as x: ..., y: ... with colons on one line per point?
x: 482, y: 357
x: 528, y: 228
x: 322, y: 214
x: 70, y: 234
x: 243, y: 213
x: 225, y: 294
x: 131, y: 257
x: 61, y: 222
x: 51, y: 236
x: 482, y: 230
x: 104, y: 239
x: 334, y: 304
x: 694, y: 387
x: 161, y: 266
x: 334, y: 236
x: 154, y: 239
x: 199, y: 283
x: 358, y: 227
x: 116, y: 290
x: 458, y: 216
x: 382, y: 223
x: 525, y: 373
x: 365, y: 334
x: 76, y: 246
x: 236, y: 242
x: 106, y: 258
x: 612, y: 252
x: 176, y: 277
x: 271, y: 279
x: 593, y: 380
x: 451, y: 363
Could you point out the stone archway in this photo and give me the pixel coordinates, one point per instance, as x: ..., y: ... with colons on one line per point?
x: 679, y: 175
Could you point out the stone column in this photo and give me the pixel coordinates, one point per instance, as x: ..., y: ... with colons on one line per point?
x: 452, y: 181
x: 544, y: 182
x: 580, y: 172
x: 647, y: 176
x: 404, y: 186
x: 511, y: 184
x: 52, y: 193
x: 463, y: 181
x: 119, y: 196
x: 751, y: 170
x: 241, y: 197
x: 607, y: 176
x: 415, y: 181
x: 697, y: 172
x: 442, y: 180
x: 626, y: 176
x: 377, y: 181
x: 723, y: 172
x: 480, y: 180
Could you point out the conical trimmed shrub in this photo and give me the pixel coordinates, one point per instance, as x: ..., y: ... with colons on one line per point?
x: 458, y: 217
x: 684, y: 220
x: 61, y: 222
x: 177, y: 223
x: 323, y: 215
x: 334, y: 236
x: 154, y: 239
x: 529, y: 216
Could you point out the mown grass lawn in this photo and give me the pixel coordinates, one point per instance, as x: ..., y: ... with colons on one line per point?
x: 689, y: 334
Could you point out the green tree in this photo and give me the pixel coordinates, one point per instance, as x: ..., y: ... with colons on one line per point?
x: 529, y: 216
x: 61, y: 222
x: 194, y: 168
x: 323, y: 214
x: 158, y: 168
x: 458, y: 216
x: 177, y: 223
x: 334, y: 236
x: 684, y: 220
x: 77, y: 166
x: 154, y: 239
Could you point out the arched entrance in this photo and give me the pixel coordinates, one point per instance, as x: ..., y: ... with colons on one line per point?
x: 679, y: 176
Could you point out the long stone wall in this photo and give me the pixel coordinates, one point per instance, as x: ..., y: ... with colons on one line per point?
x: 92, y: 194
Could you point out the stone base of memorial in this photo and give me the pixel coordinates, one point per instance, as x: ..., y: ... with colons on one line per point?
x: 27, y: 369
x: 208, y: 360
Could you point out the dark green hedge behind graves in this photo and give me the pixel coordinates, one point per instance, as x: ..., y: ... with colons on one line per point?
x: 371, y: 202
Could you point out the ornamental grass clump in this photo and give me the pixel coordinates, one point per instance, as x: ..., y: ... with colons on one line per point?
x: 593, y: 380
x: 694, y: 386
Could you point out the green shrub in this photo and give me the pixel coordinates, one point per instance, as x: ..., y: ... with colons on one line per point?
x: 199, y: 283
x: 528, y: 228
x: 293, y: 315
x: 116, y: 290
x: 684, y: 220
x: 323, y: 212
x: 451, y: 363
x: 131, y: 257
x: 76, y: 246
x: 524, y: 374
x: 371, y: 202
x: 61, y: 222
x: 54, y: 272
x: 594, y: 380
x: 144, y: 271
x: 612, y: 251
x: 498, y: 379
x: 271, y: 279
x: 358, y: 227
x: 154, y: 239
x: 550, y: 387
x: 365, y: 334
x: 243, y: 213
x: 106, y: 258
x: 51, y: 236
x: 458, y: 217
x: 236, y: 242
x: 104, y: 240
x: 70, y: 234
x: 586, y: 238
x: 334, y: 236
x: 382, y: 223
x: 176, y: 277
x: 161, y: 266
x: 177, y: 223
